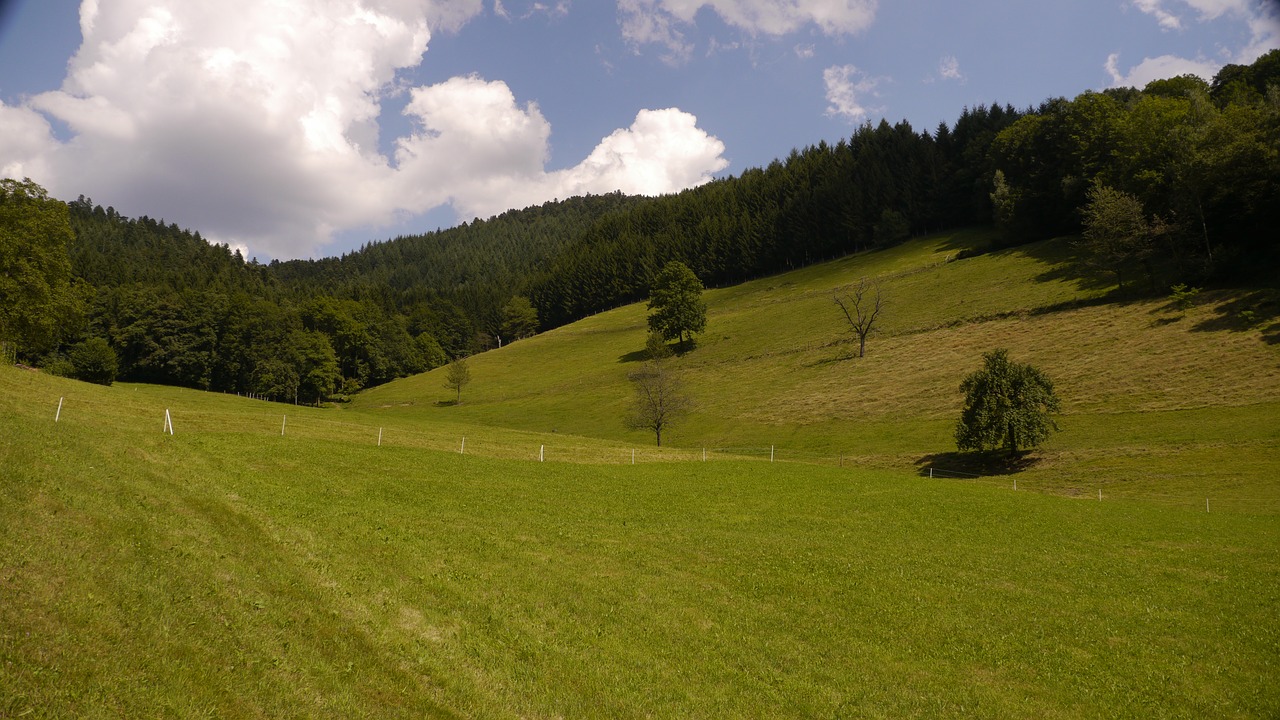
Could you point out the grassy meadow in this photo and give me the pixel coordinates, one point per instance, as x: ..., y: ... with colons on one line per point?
x: 402, y: 556
x: 1156, y: 404
x: 228, y: 570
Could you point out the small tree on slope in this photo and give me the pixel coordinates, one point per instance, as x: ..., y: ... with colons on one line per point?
x: 1007, y: 405
x: 676, y: 302
x: 457, y: 377
x: 660, y: 399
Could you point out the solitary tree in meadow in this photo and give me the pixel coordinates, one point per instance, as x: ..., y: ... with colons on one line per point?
x: 862, y: 305
x: 1006, y: 405
x: 660, y: 398
x: 457, y: 376
x: 676, y: 302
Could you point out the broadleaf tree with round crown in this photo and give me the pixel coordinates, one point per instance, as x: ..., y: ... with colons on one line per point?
x: 1007, y: 405
x: 676, y: 301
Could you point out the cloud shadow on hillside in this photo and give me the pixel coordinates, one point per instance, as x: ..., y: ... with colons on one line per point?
x: 962, y: 465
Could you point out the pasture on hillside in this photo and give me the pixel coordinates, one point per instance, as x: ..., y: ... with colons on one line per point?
x: 230, y: 570
x: 1156, y: 404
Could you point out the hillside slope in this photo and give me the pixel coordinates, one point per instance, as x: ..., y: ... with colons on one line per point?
x: 242, y: 567
x: 776, y: 368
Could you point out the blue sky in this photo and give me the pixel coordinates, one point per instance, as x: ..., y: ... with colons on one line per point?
x: 302, y: 128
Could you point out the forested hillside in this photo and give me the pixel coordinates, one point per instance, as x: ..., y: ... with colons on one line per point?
x: 1177, y: 182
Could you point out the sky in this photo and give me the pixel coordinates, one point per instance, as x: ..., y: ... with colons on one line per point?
x: 305, y: 128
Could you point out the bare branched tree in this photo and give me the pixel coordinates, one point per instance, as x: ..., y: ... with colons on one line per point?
x: 860, y: 309
x: 660, y: 398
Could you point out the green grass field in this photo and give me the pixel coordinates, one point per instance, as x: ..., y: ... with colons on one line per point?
x: 268, y: 560
x: 229, y: 571
x: 1155, y: 406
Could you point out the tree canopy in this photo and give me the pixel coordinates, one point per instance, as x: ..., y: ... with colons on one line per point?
x: 1198, y: 162
x: 457, y: 377
x: 676, y: 302
x: 660, y: 398
x: 35, y: 270
x: 1007, y: 405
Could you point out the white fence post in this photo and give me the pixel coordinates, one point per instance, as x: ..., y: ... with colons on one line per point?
x: 463, y: 450
x: 770, y: 453
x: 542, y: 450
x: 379, y: 437
x: 59, y: 413
x: 282, y: 424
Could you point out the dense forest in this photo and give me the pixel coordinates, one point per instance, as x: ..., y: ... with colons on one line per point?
x: 1177, y: 182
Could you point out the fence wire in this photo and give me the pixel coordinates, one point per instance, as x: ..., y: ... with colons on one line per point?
x: 270, y: 418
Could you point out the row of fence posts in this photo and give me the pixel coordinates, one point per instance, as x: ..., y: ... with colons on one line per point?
x: 542, y: 449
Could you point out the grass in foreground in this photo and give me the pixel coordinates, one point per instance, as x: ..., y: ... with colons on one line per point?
x: 234, y: 572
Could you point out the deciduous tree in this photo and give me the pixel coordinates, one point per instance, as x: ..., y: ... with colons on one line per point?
x: 676, y: 302
x: 519, y: 319
x: 457, y: 376
x: 35, y: 272
x: 1117, y: 235
x: 861, y: 309
x: 1007, y: 404
x: 660, y: 398
x: 94, y: 361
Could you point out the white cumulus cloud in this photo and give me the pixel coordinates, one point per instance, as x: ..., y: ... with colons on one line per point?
x: 847, y: 88
x: 1261, y: 18
x: 1157, y: 68
x: 660, y: 21
x: 1205, y: 9
x: 662, y: 152
x: 1155, y: 8
x: 256, y: 122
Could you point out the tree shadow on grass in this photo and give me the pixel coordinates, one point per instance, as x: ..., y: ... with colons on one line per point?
x: 680, y: 349
x: 634, y: 356
x: 970, y: 242
x: 448, y: 403
x: 1257, y: 309
x: 974, y: 464
x: 1061, y: 264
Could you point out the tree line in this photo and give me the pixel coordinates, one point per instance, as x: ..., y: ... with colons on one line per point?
x: 1176, y: 182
